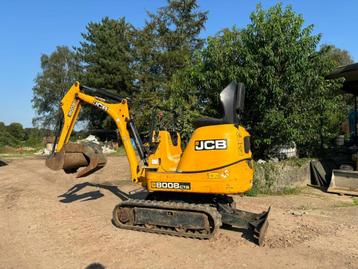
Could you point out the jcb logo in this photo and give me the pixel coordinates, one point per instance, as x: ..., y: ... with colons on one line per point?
x: 216, y: 144
x: 100, y: 106
x: 72, y: 108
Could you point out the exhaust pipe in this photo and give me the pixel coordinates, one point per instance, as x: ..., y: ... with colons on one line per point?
x: 74, y: 156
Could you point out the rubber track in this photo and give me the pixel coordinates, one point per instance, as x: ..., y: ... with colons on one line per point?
x: 180, y: 206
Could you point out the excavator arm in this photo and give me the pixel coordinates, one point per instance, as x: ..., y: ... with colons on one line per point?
x: 70, y: 156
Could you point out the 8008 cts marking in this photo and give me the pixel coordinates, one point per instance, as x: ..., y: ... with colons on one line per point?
x: 171, y: 185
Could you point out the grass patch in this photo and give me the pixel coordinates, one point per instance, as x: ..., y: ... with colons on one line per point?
x: 270, y: 177
x: 291, y: 190
x: 347, y: 204
x: 255, y: 191
x: 343, y: 204
x: 296, y: 162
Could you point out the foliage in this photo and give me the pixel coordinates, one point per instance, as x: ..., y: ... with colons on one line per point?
x: 106, y: 55
x: 329, y: 109
x: 296, y: 162
x: 276, y: 57
x: 165, y: 64
x: 275, y: 177
x: 34, y: 137
x: 14, y: 135
x: 60, y: 70
x: 165, y: 45
x: 16, y: 131
x: 337, y: 55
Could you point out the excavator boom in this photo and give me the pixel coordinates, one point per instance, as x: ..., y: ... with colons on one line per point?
x: 70, y: 156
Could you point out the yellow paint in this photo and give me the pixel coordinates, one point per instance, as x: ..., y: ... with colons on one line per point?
x: 240, y: 180
x: 205, y: 164
x: 119, y: 112
x: 167, y: 155
x: 213, y: 175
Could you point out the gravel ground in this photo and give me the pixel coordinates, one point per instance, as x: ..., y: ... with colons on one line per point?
x: 53, y: 220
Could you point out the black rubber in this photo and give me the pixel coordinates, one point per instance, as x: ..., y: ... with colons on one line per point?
x: 211, y: 213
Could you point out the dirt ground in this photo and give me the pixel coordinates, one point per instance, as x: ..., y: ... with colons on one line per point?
x: 52, y: 220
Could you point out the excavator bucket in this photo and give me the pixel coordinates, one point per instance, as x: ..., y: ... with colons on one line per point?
x: 74, y: 156
x: 344, y: 182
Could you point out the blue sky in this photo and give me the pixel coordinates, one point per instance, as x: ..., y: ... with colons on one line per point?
x: 31, y: 28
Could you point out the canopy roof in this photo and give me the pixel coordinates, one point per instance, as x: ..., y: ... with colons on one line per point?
x: 350, y: 73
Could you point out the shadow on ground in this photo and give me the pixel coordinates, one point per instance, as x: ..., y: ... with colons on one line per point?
x: 246, y: 233
x: 95, y: 265
x: 2, y: 163
x: 73, y: 195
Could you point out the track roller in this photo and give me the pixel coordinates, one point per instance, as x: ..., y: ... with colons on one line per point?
x: 172, y: 218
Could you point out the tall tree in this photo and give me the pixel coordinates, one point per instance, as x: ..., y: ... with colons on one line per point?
x: 16, y: 130
x: 276, y: 57
x: 59, y: 70
x: 331, y: 106
x: 337, y: 55
x: 165, y: 45
x: 280, y: 76
x: 195, y: 89
x: 106, y: 54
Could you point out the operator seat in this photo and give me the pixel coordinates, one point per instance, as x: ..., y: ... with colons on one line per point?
x: 232, y: 101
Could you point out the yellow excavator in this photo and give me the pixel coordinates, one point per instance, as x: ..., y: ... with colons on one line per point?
x: 188, y: 191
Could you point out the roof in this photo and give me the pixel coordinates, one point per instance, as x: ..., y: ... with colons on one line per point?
x: 350, y: 73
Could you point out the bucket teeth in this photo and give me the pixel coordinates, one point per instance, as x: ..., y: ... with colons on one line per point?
x: 74, y: 156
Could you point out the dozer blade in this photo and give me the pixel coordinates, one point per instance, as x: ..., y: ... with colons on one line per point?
x: 257, y: 223
x: 259, y: 227
x: 344, y: 181
x: 74, y: 156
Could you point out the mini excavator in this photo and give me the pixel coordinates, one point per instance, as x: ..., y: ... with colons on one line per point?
x: 188, y: 191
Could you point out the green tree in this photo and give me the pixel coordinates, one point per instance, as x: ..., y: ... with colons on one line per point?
x: 280, y: 75
x: 5, y: 138
x: 16, y: 130
x: 330, y: 107
x: 34, y: 136
x: 337, y: 55
x: 106, y: 54
x: 60, y: 70
x: 277, y: 59
x: 165, y: 45
x: 12, y: 135
x: 2, y: 126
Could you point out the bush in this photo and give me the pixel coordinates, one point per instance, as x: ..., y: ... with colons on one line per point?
x: 285, y: 177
